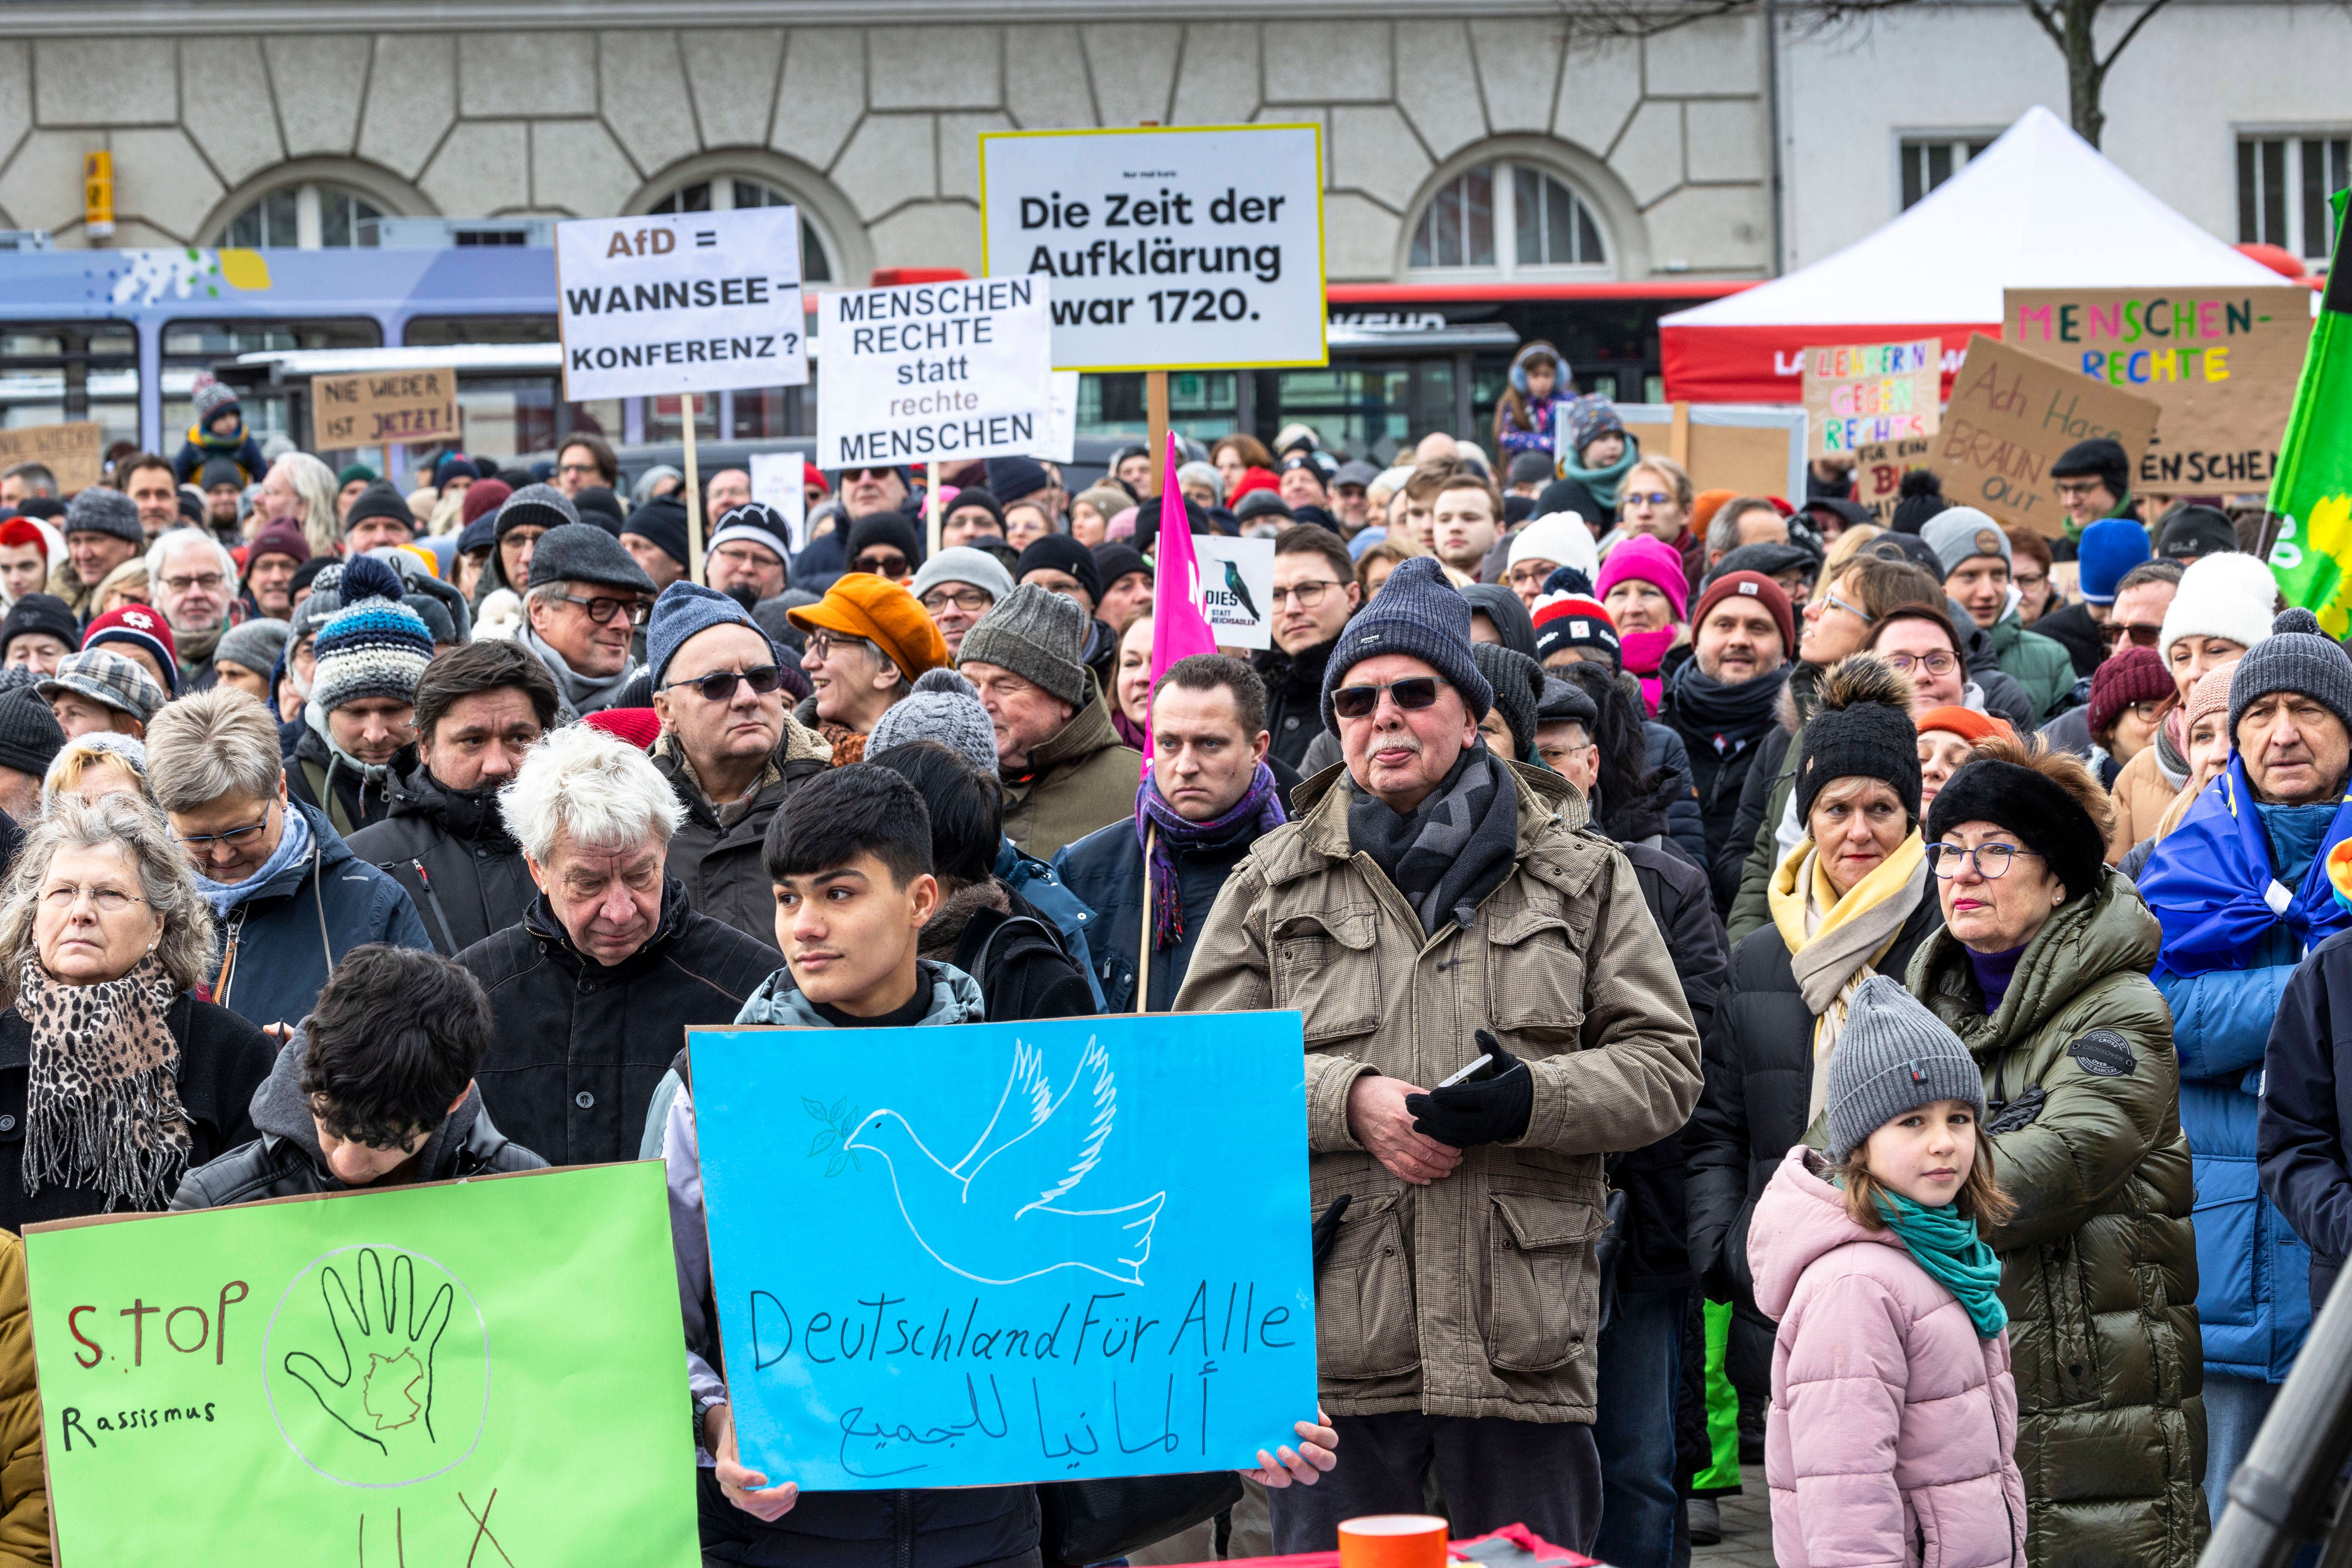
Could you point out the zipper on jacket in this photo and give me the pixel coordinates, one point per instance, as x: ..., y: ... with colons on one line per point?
x: 902, y: 1528
x: 433, y: 898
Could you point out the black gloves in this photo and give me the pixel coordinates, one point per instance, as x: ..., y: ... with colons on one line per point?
x: 1490, y: 1110
x: 1326, y: 1228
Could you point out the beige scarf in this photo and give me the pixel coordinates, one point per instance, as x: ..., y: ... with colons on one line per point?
x: 1834, y: 943
x: 103, y: 1098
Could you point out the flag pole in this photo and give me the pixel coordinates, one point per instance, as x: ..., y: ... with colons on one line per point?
x: 693, y: 494
x: 1144, y: 944
x: 932, y: 508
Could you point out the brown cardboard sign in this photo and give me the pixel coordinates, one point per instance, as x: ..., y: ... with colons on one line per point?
x: 2221, y: 364
x: 72, y: 452
x: 1861, y: 394
x: 1878, y: 473
x: 376, y: 408
x: 2011, y: 416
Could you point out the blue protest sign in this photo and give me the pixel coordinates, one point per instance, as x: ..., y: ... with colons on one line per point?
x: 1009, y: 1252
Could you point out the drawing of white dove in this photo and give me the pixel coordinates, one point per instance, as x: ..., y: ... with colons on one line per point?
x: 1005, y: 1211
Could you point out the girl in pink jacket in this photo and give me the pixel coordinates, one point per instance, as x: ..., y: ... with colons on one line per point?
x: 1894, y: 1423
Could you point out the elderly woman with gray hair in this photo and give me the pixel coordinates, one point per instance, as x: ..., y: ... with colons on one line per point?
x: 114, y: 1079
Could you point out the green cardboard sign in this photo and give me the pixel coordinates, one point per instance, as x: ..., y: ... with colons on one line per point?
x: 486, y: 1371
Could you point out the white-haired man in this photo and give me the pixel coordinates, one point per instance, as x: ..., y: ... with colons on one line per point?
x: 588, y: 993
x: 193, y: 580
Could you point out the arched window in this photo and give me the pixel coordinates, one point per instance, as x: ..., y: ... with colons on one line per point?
x: 726, y: 194
x: 1507, y: 216
x: 311, y: 216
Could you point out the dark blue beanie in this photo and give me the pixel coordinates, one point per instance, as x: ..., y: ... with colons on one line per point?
x: 663, y: 521
x: 683, y: 610
x: 1416, y: 612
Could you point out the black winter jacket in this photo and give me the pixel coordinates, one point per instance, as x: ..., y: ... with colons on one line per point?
x: 1294, y: 698
x: 719, y: 862
x: 285, y: 1162
x: 450, y: 851
x: 1007, y: 944
x: 2303, y: 1140
x: 1759, y: 1066
x: 578, y: 1048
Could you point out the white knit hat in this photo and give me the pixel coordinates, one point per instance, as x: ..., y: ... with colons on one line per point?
x: 1560, y: 537
x: 2230, y: 595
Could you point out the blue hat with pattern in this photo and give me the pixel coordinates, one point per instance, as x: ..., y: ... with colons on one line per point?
x: 375, y: 645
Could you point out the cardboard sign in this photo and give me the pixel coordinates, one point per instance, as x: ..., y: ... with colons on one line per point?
x: 72, y: 452
x: 1864, y: 394
x: 681, y: 302
x: 1878, y: 473
x: 428, y: 1370
x: 777, y: 481
x: 948, y: 371
x: 1755, y: 448
x: 374, y: 409
x: 1236, y: 589
x: 2012, y: 416
x: 2220, y: 364
x: 992, y: 1253
x: 1185, y: 248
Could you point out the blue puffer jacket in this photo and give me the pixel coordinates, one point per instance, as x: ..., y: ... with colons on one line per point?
x: 1039, y: 883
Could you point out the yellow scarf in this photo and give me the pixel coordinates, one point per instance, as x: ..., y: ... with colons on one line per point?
x: 1834, y: 943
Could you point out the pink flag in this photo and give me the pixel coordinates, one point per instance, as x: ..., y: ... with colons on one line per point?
x: 1179, y: 626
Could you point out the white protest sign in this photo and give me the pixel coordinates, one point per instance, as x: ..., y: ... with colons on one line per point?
x: 1237, y: 588
x: 776, y: 481
x: 1170, y: 250
x: 934, y: 371
x: 1062, y: 445
x: 681, y: 302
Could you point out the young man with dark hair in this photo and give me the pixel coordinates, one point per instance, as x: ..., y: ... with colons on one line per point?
x: 1314, y: 593
x: 375, y: 1089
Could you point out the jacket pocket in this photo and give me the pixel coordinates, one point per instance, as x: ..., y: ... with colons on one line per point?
x: 1323, y: 965
x: 1364, y: 1321
x: 1546, y: 1288
x: 1535, y: 978
x: 2073, y: 1337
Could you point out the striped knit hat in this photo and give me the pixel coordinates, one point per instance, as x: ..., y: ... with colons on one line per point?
x: 375, y: 646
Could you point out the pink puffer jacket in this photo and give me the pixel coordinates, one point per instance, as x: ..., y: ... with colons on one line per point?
x: 1894, y: 1427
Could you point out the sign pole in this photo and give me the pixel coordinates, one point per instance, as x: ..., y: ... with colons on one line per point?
x: 693, y: 494
x: 1143, y: 944
x: 932, y: 508
x: 1155, y: 406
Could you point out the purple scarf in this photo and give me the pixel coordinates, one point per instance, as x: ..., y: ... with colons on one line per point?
x: 1260, y: 808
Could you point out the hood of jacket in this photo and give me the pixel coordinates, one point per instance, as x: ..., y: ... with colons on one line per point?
x: 472, y: 814
x: 282, y: 1113
x: 1800, y: 1217
x: 955, y: 999
x: 1303, y: 670
x: 2108, y: 932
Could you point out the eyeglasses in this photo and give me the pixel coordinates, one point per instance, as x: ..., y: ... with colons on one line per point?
x: 1831, y: 602
x: 601, y: 610
x: 234, y: 837
x: 2149, y: 710
x: 1412, y: 694
x: 1531, y: 576
x: 2143, y: 634
x: 1647, y: 498
x: 2080, y: 489
x: 1934, y: 664
x: 890, y: 565
x: 970, y: 601
x: 822, y: 644
x: 1308, y: 595
x: 211, y: 583
x: 719, y: 684
x: 1991, y: 859
x: 579, y: 469
x: 105, y: 901
x: 851, y: 473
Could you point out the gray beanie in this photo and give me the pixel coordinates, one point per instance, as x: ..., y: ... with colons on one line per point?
x: 944, y: 708
x: 2296, y: 656
x: 1416, y: 612
x: 962, y: 564
x: 98, y: 509
x: 1893, y: 1056
x: 255, y: 645
x: 1519, y: 683
x: 1038, y: 635
x: 1959, y: 532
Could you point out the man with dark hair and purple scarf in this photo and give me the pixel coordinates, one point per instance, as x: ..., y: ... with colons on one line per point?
x: 1211, y: 791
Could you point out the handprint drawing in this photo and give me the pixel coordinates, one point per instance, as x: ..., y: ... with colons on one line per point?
x: 377, y: 1367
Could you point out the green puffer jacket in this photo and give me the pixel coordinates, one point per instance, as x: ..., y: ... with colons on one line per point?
x: 2041, y: 665
x: 2098, y: 1264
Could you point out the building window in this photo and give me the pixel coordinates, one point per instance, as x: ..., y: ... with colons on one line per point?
x: 1929, y: 160
x: 308, y: 217
x: 2284, y: 183
x: 1507, y: 217
x: 726, y: 194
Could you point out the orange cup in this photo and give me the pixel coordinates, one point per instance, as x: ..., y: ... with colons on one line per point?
x: 1392, y: 1540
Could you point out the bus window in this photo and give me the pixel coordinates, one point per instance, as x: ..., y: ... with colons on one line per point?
x: 663, y: 422
x: 431, y: 331
x: 62, y: 372
x: 763, y: 413
x: 190, y: 347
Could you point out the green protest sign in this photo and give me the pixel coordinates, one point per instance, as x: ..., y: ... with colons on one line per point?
x: 487, y: 1372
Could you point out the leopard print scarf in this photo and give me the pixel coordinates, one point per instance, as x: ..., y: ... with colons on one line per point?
x: 104, y: 1104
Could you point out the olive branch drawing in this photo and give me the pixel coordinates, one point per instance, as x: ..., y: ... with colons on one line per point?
x: 839, y: 1120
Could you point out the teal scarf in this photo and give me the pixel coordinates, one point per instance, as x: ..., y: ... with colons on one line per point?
x: 1602, y: 482
x: 1949, y: 1247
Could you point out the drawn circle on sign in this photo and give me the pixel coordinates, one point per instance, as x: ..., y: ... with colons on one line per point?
x: 373, y: 1380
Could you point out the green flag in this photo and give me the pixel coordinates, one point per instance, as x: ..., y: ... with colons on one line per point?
x: 2312, y: 490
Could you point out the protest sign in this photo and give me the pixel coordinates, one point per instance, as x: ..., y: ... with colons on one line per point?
x: 777, y: 481
x: 1755, y: 448
x: 1062, y: 445
x: 2220, y: 364
x: 484, y: 1371
x: 380, y: 407
x: 2012, y: 416
x: 1863, y: 394
x: 1079, y: 1294
x: 1169, y: 248
x: 72, y: 452
x: 1878, y: 473
x: 934, y: 371
x: 681, y: 302
x: 1236, y: 589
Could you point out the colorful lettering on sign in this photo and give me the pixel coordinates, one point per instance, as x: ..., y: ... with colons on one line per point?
x: 2137, y: 321
x: 2140, y: 366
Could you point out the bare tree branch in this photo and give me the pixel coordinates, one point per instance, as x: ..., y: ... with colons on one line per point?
x: 2129, y: 32
x: 2048, y: 17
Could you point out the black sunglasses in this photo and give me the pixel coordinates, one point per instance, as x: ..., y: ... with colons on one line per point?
x: 891, y: 565
x: 719, y: 684
x: 1412, y: 695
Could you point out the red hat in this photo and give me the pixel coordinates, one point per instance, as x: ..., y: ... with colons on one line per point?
x: 2135, y: 675
x: 141, y: 627
x: 473, y: 504
x: 640, y: 727
x: 1966, y: 723
x: 1764, y: 591
x: 1254, y: 479
x: 277, y: 539
x: 17, y: 532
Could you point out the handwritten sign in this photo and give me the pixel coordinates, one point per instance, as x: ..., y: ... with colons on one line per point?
x: 1878, y: 471
x: 2012, y: 416
x: 488, y: 1371
x: 2220, y: 364
x: 72, y: 452
x: 928, y: 371
x: 994, y: 1254
x: 1863, y: 394
x: 672, y: 302
x: 379, y: 407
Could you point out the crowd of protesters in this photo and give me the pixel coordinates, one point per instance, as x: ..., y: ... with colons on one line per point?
x: 1988, y: 1046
